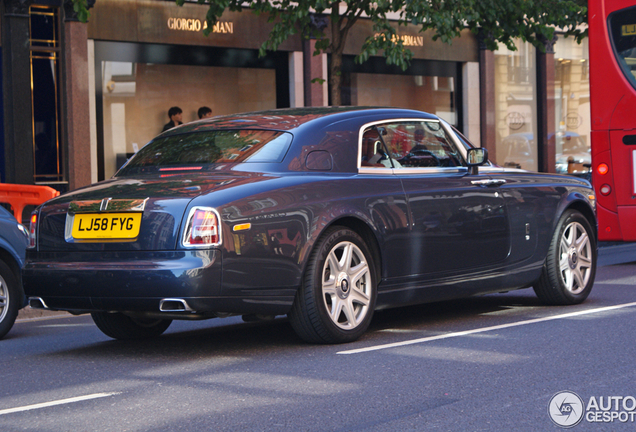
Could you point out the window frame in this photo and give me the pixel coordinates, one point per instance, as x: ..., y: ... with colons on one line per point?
x: 450, y: 134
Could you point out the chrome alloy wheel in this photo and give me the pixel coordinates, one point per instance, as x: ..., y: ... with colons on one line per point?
x: 4, y: 299
x: 346, y: 285
x: 575, y: 261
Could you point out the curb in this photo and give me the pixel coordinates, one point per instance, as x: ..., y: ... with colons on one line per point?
x: 30, y: 313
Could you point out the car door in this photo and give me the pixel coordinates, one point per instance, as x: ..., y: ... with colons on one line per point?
x: 458, y: 221
x: 524, y: 201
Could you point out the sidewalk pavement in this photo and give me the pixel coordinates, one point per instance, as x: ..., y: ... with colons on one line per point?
x: 29, y: 313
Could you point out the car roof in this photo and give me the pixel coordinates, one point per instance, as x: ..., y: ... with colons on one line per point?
x: 290, y: 119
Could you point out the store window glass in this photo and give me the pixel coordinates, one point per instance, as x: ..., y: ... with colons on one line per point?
x: 44, y: 54
x: 572, y: 106
x: 516, y: 107
x: 137, y: 97
x: 432, y: 94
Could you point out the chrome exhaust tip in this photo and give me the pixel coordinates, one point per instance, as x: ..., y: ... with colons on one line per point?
x: 37, y: 303
x: 174, y: 305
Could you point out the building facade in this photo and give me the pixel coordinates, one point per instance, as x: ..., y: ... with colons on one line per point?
x: 78, y: 99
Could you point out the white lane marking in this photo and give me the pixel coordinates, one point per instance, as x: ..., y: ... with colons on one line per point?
x: 486, y: 329
x: 57, y: 402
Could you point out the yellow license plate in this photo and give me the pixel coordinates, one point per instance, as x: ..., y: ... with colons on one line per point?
x: 91, y: 226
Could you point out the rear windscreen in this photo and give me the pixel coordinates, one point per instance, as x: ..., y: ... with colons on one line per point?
x: 622, y: 27
x: 200, y: 150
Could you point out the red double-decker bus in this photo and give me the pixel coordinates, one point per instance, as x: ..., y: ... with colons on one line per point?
x: 612, y: 32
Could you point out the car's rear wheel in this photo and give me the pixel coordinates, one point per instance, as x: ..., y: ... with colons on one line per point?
x: 336, y: 300
x: 120, y: 326
x: 570, y: 266
x: 10, y: 299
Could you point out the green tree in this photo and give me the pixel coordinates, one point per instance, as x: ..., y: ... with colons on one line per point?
x: 496, y: 21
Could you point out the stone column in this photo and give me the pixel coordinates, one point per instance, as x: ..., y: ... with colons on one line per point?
x: 76, y: 99
x: 487, y: 100
x: 470, y: 102
x: 16, y: 87
x: 296, y: 79
x: 546, y: 127
x: 314, y: 66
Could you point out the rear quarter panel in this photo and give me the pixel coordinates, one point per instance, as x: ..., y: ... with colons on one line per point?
x: 539, y: 200
x: 287, y: 216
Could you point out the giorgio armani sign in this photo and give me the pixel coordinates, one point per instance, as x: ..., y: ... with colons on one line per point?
x: 193, y: 24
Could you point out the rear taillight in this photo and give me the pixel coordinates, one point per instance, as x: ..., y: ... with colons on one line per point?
x: 32, y: 227
x: 202, y: 228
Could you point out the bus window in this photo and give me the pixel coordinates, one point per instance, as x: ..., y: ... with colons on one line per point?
x: 623, y: 37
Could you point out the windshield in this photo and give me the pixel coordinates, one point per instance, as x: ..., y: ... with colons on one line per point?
x: 200, y: 150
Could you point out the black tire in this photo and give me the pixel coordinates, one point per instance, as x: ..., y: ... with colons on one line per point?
x: 336, y: 308
x: 11, y: 299
x: 123, y: 327
x: 570, y: 266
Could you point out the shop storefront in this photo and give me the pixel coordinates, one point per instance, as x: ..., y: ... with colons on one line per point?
x: 141, y: 58
x: 140, y: 82
x: 440, y: 79
x: 518, y: 110
x: 162, y: 60
x: 516, y: 106
x: 572, y: 106
x: 156, y: 57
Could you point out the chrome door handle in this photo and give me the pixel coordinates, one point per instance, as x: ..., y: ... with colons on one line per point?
x: 488, y: 182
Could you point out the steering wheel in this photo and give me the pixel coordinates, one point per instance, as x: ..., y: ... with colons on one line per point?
x: 426, y: 153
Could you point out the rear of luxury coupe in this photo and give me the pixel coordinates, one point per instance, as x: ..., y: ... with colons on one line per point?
x: 94, y: 250
x: 144, y: 248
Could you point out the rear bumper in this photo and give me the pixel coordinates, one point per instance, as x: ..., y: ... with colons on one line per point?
x: 137, y: 282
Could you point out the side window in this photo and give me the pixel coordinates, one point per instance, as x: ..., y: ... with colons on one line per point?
x: 410, y: 144
x: 374, y: 154
x: 421, y: 144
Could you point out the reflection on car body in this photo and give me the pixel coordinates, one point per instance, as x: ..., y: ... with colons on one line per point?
x: 285, y: 212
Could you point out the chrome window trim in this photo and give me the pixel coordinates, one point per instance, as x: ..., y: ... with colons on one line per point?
x: 372, y: 170
x: 422, y: 170
x: 432, y: 170
x: 460, y: 146
x: 418, y: 171
x: 456, y: 141
x: 189, y: 218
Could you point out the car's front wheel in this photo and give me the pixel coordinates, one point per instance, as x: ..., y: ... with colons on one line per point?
x: 570, y: 266
x: 10, y: 299
x: 336, y: 300
x: 120, y: 326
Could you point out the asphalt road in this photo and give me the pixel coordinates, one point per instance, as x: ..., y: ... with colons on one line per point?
x: 491, y: 363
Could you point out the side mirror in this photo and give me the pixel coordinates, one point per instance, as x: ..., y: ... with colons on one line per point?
x: 475, y: 158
